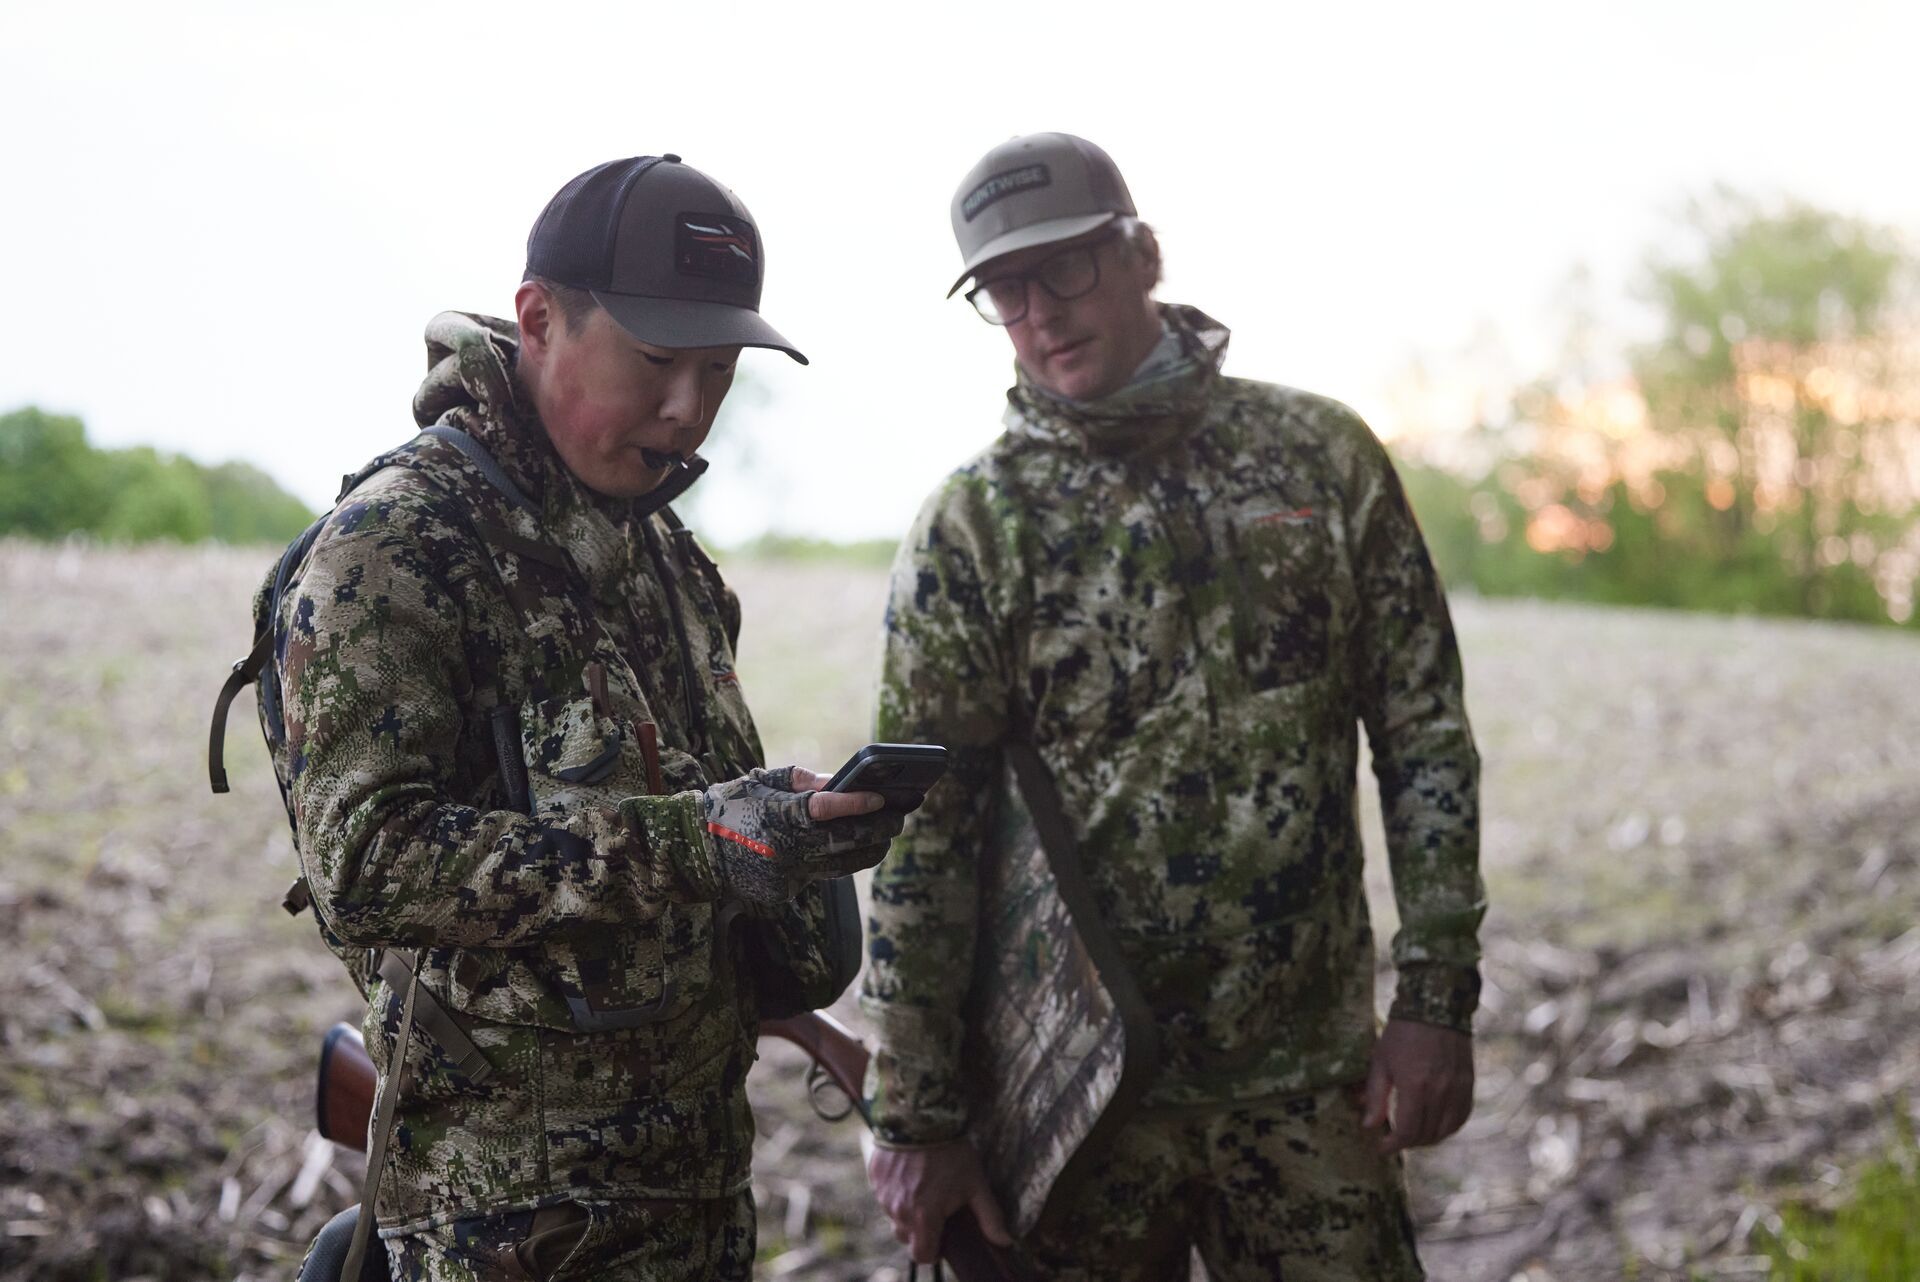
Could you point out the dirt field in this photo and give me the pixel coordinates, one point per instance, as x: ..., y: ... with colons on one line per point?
x: 1703, y: 842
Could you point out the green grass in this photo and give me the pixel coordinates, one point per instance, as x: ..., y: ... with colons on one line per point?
x: 1871, y: 1237
x: 871, y: 554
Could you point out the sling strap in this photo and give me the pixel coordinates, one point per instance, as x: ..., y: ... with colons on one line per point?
x: 382, y: 1130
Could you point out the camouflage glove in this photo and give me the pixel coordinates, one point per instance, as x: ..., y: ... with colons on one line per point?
x: 765, y: 845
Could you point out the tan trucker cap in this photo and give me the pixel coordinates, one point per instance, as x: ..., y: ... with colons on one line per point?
x: 1034, y: 190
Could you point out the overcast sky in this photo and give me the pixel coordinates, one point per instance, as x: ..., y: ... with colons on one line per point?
x: 225, y: 227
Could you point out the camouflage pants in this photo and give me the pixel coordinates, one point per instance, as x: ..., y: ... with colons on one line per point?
x: 1291, y: 1190
x: 629, y: 1241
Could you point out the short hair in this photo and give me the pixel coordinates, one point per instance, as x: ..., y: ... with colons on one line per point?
x: 575, y: 304
x: 1139, y: 238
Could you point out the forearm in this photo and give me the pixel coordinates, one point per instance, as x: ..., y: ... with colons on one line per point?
x: 923, y: 931
x: 1429, y: 799
x: 1407, y: 673
x: 399, y: 865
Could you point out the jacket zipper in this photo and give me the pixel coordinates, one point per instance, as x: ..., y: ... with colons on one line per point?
x: 696, y: 720
x: 1180, y: 592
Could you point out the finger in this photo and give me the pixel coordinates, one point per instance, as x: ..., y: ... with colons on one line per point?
x: 1414, y: 1115
x: 1459, y: 1110
x: 780, y: 777
x: 805, y: 780
x: 986, y: 1209
x: 844, y: 861
x: 824, y: 806
x: 860, y: 830
x: 1379, y: 1095
x: 924, y: 1241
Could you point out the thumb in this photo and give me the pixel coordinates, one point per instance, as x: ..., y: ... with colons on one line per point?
x: 992, y: 1223
x: 1379, y: 1089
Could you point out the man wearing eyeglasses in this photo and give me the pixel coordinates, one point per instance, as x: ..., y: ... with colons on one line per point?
x: 1183, y: 591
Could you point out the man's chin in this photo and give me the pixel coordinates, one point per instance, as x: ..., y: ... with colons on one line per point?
x: 627, y: 484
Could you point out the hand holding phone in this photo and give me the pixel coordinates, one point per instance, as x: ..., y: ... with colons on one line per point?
x: 900, y: 772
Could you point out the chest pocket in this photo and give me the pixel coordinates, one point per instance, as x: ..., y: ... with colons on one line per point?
x: 1284, y: 619
x: 610, y: 979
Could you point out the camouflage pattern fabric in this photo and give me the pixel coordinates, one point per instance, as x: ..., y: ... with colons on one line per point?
x: 710, y: 1240
x: 1185, y: 596
x: 1059, y: 1045
x: 1292, y: 1189
x: 582, y: 945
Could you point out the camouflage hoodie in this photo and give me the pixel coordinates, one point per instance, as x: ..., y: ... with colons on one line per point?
x: 1186, y: 595
x: 400, y: 640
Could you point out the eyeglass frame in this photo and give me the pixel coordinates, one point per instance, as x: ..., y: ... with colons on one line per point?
x: 1031, y: 277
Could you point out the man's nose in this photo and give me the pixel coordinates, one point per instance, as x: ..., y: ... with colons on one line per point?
x: 684, y: 403
x: 1042, y: 307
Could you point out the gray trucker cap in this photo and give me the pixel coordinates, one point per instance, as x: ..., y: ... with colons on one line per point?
x: 1034, y: 190
x: 672, y: 255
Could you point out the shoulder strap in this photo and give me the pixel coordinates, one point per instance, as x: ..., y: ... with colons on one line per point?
x: 477, y: 455
x: 247, y: 670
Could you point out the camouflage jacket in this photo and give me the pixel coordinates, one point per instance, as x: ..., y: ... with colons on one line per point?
x: 582, y: 945
x: 1185, y: 597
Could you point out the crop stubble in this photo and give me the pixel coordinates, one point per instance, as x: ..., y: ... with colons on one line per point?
x: 1700, y: 839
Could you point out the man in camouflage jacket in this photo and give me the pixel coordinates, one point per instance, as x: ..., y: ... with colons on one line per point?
x: 1183, y: 590
x: 579, y: 935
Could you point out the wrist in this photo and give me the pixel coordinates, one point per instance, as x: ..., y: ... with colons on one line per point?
x: 674, y: 829
x: 1436, y: 993
x: 903, y: 1145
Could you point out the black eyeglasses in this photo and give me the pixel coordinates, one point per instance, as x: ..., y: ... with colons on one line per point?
x: 1067, y: 275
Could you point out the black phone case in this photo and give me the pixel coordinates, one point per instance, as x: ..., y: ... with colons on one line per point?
x: 899, y: 772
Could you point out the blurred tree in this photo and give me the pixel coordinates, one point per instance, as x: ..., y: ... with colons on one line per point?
x: 49, y: 482
x: 154, y: 497
x: 1762, y: 454
x: 53, y: 483
x: 247, y: 506
x: 1776, y: 306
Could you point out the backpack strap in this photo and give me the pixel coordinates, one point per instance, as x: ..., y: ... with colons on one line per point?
x: 477, y: 455
x: 245, y: 672
x: 248, y: 670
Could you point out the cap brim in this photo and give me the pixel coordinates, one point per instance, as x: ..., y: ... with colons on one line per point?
x: 1027, y: 237
x: 686, y: 322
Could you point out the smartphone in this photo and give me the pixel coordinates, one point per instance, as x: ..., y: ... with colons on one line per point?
x: 900, y: 772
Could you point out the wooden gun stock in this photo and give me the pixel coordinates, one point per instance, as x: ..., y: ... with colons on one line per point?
x: 343, y: 1104
x: 348, y: 1081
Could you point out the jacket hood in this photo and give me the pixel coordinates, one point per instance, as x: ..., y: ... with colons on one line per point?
x: 1134, y: 420
x: 470, y: 385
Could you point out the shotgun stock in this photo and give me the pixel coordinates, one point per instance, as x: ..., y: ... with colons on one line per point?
x: 347, y: 1083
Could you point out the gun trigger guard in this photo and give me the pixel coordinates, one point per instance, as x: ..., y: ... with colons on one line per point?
x: 817, y: 1081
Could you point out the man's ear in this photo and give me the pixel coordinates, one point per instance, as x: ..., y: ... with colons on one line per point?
x: 534, y: 308
x: 1147, y: 246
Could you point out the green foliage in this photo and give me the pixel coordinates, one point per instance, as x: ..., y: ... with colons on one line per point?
x: 52, y: 484
x: 50, y: 479
x: 1872, y: 1236
x: 1753, y: 463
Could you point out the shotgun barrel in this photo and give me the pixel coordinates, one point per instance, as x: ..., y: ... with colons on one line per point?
x: 348, y: 1082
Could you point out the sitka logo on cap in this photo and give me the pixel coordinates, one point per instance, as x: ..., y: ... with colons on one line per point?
x: 717, y: 246
x: 1001, y: 185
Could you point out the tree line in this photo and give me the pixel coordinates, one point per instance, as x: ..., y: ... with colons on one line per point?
x: 1761, y: 454
x: 54, y: 483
